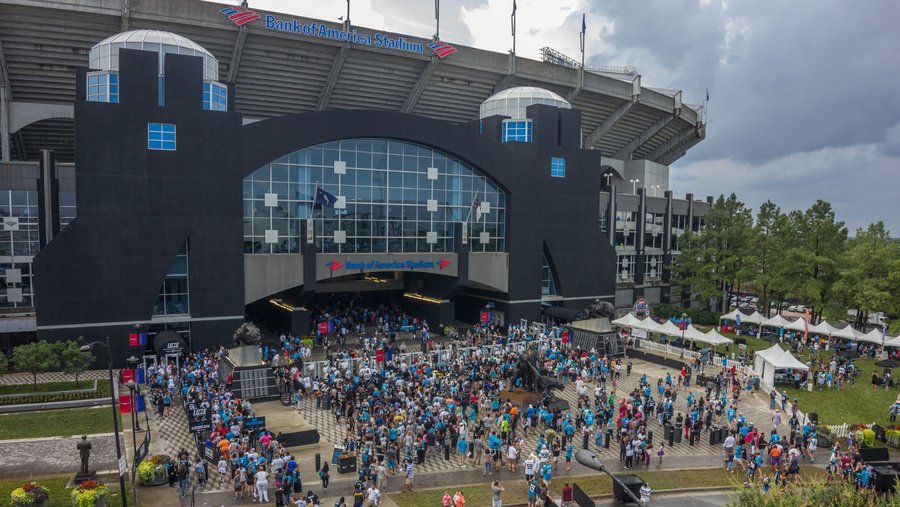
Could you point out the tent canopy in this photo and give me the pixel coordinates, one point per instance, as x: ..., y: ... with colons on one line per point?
x: 786, y: 361
x: 797, y: 325
x: 774, y: 349
x: 627, y: 320
x: 847, y: 333
x: 753, y: 318
x: 669, y: 329
x: 776, y: 321
x: 714, y: 338
x: 822, y: 328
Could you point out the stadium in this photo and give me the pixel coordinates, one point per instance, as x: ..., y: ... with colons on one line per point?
x: 181, y: 166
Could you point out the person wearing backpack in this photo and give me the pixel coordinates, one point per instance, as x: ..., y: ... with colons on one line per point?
x: 184, y: 477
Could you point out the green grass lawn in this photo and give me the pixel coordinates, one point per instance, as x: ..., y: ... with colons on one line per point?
x: 46, y: 387
x: 54, y: 423
x: 59, y: 495
x: 856, y: 403
x: 594, y: 485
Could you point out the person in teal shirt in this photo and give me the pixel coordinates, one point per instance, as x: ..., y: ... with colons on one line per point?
x: 569, y: 451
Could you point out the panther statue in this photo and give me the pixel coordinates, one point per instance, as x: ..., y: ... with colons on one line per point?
x: 247, y: 334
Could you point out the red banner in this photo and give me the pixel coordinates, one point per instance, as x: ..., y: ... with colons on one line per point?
x: 323, y: 327
x: 133, y: 340
x: 127, y: 375
x: 379, y: 356
x: 125, y: 404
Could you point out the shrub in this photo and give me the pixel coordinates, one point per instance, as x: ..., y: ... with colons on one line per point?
x: 29, y: 494
x: 87, y: 493
x: 868, y: 438
x: 151, y: 465
x: 893, y: 438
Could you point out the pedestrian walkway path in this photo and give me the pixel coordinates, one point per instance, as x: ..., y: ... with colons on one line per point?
x: 52, y: 376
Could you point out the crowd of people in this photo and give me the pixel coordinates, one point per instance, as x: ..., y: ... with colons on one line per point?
x: 398, y: 411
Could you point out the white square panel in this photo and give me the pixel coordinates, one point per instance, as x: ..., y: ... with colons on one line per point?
x: 431, y: 205
x: 341, y: 202
x: 13, y: 295
x: 484, y: 237
x: 271, y: 200
x: 13, y: 275
x: 431, y: 237
x: 485, y: 208
x: 432, y: 173
x: 271, y: 236
x: 340, y: 167
x: 310, y: 231
x: 340, y: 237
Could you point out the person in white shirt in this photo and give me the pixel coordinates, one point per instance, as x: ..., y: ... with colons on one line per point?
x: 373, y: 497
x: 530, y: 465
x: 222, y: 468
x: 262, y: 485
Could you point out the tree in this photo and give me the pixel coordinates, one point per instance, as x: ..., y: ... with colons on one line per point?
x: 713, y: 262
x: 812, y: 263
x: 765, y: 252
x: 75, y: 361
x: 35, y: 358
x: 4, y: 363
x: 865, y: 281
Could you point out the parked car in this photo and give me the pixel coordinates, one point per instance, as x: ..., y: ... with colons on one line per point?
x: 801, y: 308
x: 792, y: 308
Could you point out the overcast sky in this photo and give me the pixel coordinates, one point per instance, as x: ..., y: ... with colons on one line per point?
x: 804, y: 96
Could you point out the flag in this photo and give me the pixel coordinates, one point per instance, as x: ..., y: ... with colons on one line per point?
x: 476, y: 207
x: 583, y: 24
x: 737, y: 320
x: 324, y: 198
x: 142, y: 339
x: 707, y: 94
x: 323, y: 327
x: 133, y: 340
x: 513, y: 19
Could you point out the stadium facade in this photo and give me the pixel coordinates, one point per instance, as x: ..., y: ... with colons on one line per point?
x: 179, y: 166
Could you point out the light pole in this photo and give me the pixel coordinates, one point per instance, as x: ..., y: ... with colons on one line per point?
x: 112, y: 398
x: 683, y: 327
x: 634, y: 185
x: 135, y: 389
x: 655, y: 188
x: 608, y: 177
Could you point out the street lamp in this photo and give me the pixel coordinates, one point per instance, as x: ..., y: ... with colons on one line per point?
x: 112, y: 398
x: 683, y: 327
x: 135, y: 389
x: 634, y: 185
x: 655, y: 188
x: 608, y: 177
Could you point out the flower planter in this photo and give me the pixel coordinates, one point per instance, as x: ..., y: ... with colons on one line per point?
x: 158, y: 479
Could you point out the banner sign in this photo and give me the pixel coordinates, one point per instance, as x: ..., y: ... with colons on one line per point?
x: 199, y: 417
x: 255, y: 423
x: 641, y: 306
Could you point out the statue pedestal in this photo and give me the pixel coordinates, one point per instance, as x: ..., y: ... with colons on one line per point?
x: 248, y: 355
x: 80, y: 477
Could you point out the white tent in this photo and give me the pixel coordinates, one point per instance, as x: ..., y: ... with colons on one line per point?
x: 627, y: 320
x: 847, y: 333
x: 797, y: 325
x: 873, y: 336
x: 822, y: 328
x: 648, y: 324
x: 892, y: 342
x: 776, y: 321
x: 774, y: 358
x: 786, y: 361
x: 669, y: 329
x: 714, y: 338
x: 732, y: 315
x: 753, y: 318
x: 760, y: 357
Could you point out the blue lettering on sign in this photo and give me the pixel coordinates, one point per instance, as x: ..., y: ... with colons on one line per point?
x: 409, y: 264
x: 322, y: 31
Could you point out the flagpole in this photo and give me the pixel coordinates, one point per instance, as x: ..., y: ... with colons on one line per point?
x: 437, y: 19
x: 513, y: 22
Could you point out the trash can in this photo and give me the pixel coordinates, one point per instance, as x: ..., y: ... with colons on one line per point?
x: 649, y: 439
x: 678, y: 430
x: 630, y: 482
x: 667, y: 429
x: 713, y: 436
x: 318, y: 462
x: 326, y: 402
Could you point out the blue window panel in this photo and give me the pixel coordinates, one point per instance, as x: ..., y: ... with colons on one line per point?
x: 161, y: 136
x: 517, y: 130
x: 215, y: 97
x: 102, y: 87
x: 558, y: 167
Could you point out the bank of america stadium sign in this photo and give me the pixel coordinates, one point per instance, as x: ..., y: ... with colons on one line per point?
x: 241, y: 16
